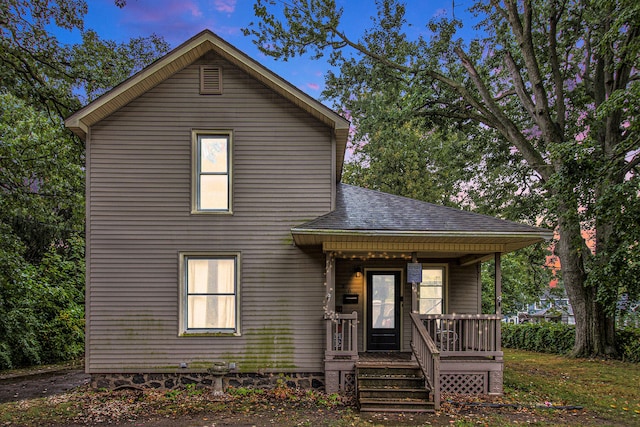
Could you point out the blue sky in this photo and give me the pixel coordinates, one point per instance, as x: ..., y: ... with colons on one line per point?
x: 178, y: 20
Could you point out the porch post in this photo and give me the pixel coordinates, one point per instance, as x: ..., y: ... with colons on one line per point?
x: 331, y: 374
x: 330, y: 303
x: 495, y: 375
x: 414, y: 288
x: 498, y: 283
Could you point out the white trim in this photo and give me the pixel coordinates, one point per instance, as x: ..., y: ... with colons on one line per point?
x: 183, y: 330
x: 196, y: 134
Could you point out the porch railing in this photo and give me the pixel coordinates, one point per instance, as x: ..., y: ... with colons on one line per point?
x: 427, y: 355
x: 342, y: 336
x: 464, y: 334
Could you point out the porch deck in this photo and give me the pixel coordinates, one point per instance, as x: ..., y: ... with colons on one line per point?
x: 383, y: 358
x: 456, y: 353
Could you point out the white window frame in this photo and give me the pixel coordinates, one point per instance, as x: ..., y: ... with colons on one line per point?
x: 445, y: 287
x: 196, y: 136
x: 183, y: 315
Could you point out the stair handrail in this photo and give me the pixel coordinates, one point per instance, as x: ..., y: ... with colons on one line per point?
x: 427, y: 355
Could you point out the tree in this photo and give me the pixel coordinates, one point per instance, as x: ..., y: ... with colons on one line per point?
x: 59, y: 78
x: 546, y: 92
x: 524, y: 280
x: 41, y: 230
x: 399, y: 160
x: 42, y: 171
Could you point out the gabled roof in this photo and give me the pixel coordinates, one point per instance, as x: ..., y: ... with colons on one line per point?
x: 368, y: 215
x: 186, y: 54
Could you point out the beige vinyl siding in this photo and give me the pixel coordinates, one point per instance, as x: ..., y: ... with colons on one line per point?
x: 139, y: 210
x: 464, y: 289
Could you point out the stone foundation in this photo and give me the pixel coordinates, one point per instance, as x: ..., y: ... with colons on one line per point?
x: 180, y: 380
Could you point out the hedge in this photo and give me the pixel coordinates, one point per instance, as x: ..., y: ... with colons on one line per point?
x: 558, y: 338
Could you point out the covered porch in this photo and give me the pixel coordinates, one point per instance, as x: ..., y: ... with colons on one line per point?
x: 457, y: 353
x: 404, y: 276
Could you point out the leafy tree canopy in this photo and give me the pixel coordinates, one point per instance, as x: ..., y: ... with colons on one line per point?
x: 37, y: 67
x: 42, y: 171
x: 545, y: 95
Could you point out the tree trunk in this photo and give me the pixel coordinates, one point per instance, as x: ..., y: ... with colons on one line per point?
x: 594, y: 332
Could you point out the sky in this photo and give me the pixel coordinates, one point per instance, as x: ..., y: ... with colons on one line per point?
x: 179, y: 20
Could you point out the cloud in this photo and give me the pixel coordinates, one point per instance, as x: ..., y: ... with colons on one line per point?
x: 176, y: 20
x: 228, y: 6
x: 163, y: 10
x: 313, y: 86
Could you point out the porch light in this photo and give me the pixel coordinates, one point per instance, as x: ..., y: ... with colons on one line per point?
x: 358, y: 271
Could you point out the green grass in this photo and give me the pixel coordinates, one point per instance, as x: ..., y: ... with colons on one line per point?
x: 608, y: 388
x: 609, y: 392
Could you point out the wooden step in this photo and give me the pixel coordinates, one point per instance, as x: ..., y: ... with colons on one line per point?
x: 384, y: 382
x: 392, y: 387
x: 395, y: 405
x: 394, y: 393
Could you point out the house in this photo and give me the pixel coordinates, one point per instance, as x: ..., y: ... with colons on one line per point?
x: 553, y: 306
x: 221, y: 242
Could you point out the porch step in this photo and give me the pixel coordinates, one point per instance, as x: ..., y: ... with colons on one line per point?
x: 392, y: 387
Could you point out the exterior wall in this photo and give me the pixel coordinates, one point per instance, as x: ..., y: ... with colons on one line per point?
x: 463, y: 291
x: 139, y: 172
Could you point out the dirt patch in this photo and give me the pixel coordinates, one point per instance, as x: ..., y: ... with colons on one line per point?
x: 40, y: 383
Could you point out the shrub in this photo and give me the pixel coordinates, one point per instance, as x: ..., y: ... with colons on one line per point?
x: 558, y: 338
x: 628, y: 340
x: 555, y: 338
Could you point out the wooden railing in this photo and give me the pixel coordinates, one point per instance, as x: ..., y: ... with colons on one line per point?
x: 427, y: 355
x: 464, y: 334
x: 342, y: 336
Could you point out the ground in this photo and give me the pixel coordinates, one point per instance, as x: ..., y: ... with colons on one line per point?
x: 62, y: 397
x: 44, y: 382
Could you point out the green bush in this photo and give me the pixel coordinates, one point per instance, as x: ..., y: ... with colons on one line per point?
x: 548, y: 337
x: 629, y: 344
x: 558, y: 338
x: 41, y: 306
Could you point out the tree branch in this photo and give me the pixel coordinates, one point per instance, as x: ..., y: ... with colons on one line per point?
x: 523, y: 35
x: 555, y: 66
x: 503, y: 124
x: 519, y: 85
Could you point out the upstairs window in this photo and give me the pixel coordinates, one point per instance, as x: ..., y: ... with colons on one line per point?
x: 211, y: 172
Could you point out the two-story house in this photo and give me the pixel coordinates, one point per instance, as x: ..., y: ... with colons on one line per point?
x: 220, y: 236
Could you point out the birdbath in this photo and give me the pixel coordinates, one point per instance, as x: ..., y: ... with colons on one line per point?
x: 217, y: 371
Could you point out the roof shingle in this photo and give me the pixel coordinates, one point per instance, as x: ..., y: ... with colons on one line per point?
x: 360, y: 209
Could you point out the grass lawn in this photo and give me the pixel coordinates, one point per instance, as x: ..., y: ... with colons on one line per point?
x: 608, y: 393
x: 608, y: 388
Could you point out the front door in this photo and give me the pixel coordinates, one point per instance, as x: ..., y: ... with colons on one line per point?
x: 383, y: 310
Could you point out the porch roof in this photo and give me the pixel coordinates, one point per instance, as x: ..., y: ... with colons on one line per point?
x: 371, y: 220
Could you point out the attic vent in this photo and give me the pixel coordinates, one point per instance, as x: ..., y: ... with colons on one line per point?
x: 210, y: 80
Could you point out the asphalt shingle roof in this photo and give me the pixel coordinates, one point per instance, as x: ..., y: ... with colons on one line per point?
x: 360, y: 209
